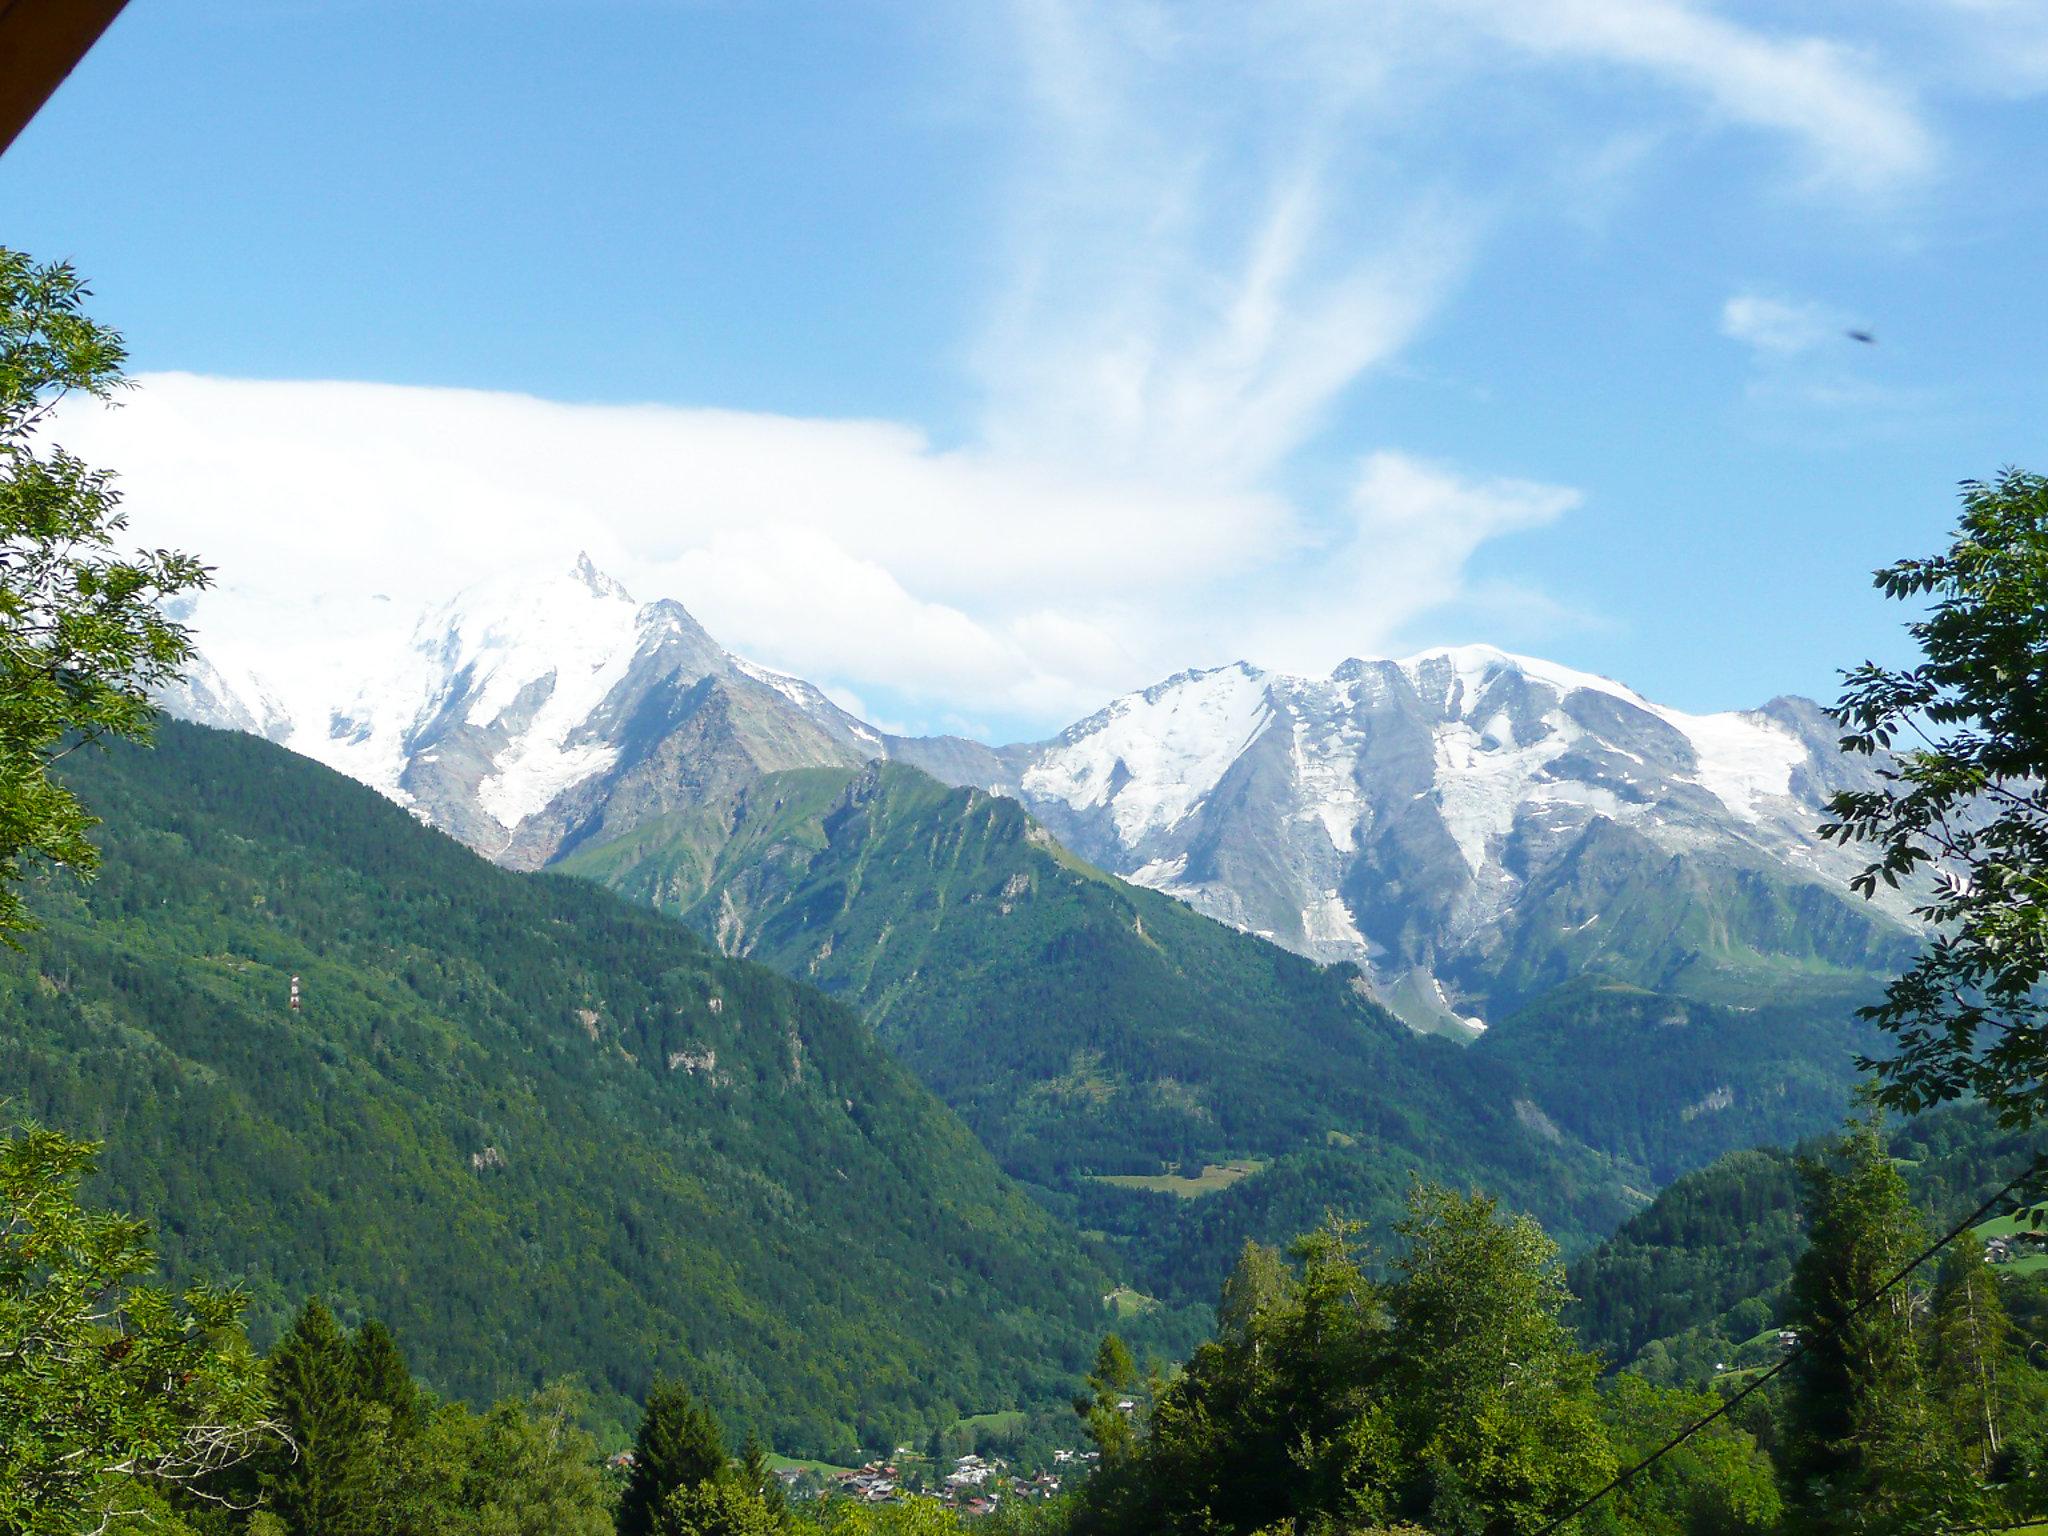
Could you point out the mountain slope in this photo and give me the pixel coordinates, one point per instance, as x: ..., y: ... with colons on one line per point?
x: 1085, y: 1027
x: 1668, y: 1083
x: 537, y: 1130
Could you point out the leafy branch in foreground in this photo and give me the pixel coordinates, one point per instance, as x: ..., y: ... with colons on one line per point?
x: 106, y: 1387
x: 1961, y: 746
x: 84, y: 639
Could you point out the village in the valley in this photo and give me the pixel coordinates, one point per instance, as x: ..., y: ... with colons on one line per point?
x: 975, y: 1484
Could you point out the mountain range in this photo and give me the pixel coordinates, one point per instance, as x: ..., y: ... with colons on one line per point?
x: 1468, y: 827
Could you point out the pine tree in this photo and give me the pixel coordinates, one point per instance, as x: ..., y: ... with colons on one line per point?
x: 679, y: 1446
x: 1110, y: 1385
x: 382, y: 1377
x: 757, y: 1477
x: 317, y: 1489
x: 1862, y: 1442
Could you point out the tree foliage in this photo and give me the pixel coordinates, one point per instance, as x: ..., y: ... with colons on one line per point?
x: 1450, y: 1394
x: 805, y: 1232
x: 374, y: 1453
x: 108, y: 1387
x: 84, y: 639
x: 1960, y: 806
x: 1718, y: 1483
x: 1863, y: 1450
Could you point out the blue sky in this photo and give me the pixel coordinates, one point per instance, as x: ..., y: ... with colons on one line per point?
x: 981, y: 361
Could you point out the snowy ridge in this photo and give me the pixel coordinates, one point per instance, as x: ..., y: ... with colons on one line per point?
x: 1153, y: 755
x: 491, y: 706
x: 1741, y: 757
x: 526, y: 660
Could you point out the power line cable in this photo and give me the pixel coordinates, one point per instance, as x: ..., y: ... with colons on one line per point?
x: 2032, y: 1172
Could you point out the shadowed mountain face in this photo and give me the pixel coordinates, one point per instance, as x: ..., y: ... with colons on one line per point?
x: 1468, y: 827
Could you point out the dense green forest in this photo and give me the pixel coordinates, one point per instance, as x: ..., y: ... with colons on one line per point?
x: 1086, y: 1027
x: 533, y: 1128
x: 1665, y: 1084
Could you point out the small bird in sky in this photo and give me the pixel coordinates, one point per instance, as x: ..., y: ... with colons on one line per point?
x: 1863, y: 336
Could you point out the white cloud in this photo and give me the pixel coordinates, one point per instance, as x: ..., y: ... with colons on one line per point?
x: 1859, y: 129
x: 1780, y: 328
x: 945, y: 584
x: 1220, y: 218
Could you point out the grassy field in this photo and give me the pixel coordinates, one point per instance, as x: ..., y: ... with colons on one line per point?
x: 1124, y: 1302
x: 2006, y: 1226
x: 1214, y: 1176
x: 823, y: 1469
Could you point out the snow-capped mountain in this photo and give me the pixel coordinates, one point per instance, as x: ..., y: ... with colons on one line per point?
x: 526, y: 715
x: 1421, y: 817
x: 1467, y: 826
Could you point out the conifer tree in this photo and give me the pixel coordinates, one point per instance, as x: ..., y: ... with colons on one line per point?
x: 382, y: 1377
x: 757, y: 1477
x: 1863, y: 1445
x: 679, y: 1445
x: 317, y: 1489
x: 1110, y: 1384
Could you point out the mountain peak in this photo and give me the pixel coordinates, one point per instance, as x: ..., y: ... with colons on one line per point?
x: 585, y: 570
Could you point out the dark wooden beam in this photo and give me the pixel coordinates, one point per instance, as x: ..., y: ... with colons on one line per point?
x: 40, y: 42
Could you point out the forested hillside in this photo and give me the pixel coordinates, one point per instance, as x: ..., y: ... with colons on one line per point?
x: 1685, y: 1283
x: 1085, y: 1027
x: 1667, y: 1083
x: 537, y: 1130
